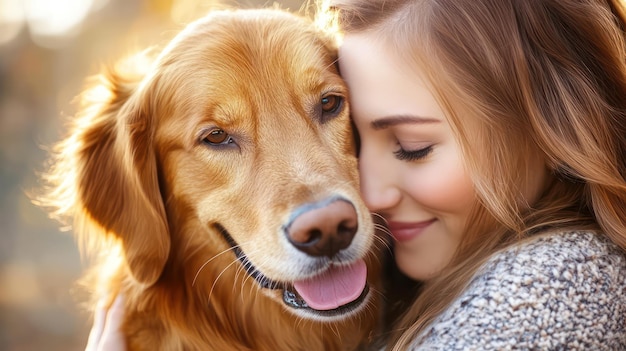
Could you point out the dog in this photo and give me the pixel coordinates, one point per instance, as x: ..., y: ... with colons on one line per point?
x: 219, y: 189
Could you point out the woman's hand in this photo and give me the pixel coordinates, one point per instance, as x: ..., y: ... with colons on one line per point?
x: 106, y: 333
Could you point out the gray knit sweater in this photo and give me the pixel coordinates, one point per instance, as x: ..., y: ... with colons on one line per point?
x: 560, y: 292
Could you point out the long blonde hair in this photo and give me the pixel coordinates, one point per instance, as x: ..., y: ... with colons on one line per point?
x: 541, y: 75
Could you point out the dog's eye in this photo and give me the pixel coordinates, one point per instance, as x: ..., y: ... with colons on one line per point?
x: 331, y: 103
x: 217, y: 137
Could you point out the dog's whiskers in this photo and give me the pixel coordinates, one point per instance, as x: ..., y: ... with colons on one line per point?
x: 219, y: 276
x: 380, y: 223
x: 382, y: 228
x: 381, y: 242
x: 243, y: 268
x: 380, y: 217
x: 377, y: 258
x: 209, y: 261
x: 332, y: 63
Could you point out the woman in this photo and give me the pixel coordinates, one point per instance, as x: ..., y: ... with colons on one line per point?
x: 493, y: 142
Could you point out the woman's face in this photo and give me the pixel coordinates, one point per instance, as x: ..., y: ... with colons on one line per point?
x: 411, y: 166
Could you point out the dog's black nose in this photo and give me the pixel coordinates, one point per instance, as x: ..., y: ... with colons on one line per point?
x: 323, y: 228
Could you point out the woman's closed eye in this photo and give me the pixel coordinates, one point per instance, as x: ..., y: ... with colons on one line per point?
x: 413, y: 155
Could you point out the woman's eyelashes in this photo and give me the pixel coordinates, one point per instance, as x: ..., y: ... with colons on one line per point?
x: 413, y: 155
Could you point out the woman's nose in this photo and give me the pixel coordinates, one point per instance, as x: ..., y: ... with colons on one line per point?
x: 378, y: 182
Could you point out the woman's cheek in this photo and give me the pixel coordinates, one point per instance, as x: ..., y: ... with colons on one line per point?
x: 443, y: 185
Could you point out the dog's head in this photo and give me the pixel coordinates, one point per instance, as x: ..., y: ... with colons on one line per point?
x: 236, y: 140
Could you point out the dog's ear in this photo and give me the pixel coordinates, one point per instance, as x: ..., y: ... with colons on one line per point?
x: 118, y: 181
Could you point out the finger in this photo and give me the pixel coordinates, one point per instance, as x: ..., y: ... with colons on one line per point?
x: 112, y: 337
x: 95, y: 334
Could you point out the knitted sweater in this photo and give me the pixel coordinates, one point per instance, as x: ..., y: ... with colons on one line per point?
x: 560, y: 292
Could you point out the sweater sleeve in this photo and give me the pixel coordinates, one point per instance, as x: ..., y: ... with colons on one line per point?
x: 561, y: 292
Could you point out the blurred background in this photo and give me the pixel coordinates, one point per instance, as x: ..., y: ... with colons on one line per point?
x: 47, y: 49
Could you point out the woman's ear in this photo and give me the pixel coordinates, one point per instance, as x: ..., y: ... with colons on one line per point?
x: 118, y: 180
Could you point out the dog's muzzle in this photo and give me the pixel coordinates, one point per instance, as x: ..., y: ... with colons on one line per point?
x: 319, y: 229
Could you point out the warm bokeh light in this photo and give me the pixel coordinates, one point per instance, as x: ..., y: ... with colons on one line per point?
x: 53, y: 20
x: 50, y: 23
x: 11, y: 19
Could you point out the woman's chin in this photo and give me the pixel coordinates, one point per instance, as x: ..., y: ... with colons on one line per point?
x: 410, y: 264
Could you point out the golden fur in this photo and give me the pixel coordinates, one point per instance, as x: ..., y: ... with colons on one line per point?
x: 150, y: 195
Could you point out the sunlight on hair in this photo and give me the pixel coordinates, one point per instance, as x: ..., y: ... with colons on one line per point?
x: 327, y: 20
x: 113, y: 259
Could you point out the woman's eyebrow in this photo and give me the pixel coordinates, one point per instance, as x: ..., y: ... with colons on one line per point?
x: 390, y: 121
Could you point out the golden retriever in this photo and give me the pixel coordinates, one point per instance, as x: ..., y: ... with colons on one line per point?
x: 220, y: 188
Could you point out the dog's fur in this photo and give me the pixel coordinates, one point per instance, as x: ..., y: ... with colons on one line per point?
x: 165, y: 208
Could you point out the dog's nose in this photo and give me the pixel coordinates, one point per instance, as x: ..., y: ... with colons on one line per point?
x: 323, y: 229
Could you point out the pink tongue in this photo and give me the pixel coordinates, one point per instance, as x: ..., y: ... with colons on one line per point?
x: 336, y: 287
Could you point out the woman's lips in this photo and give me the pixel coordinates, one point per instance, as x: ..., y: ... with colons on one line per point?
x: 405, y: 231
